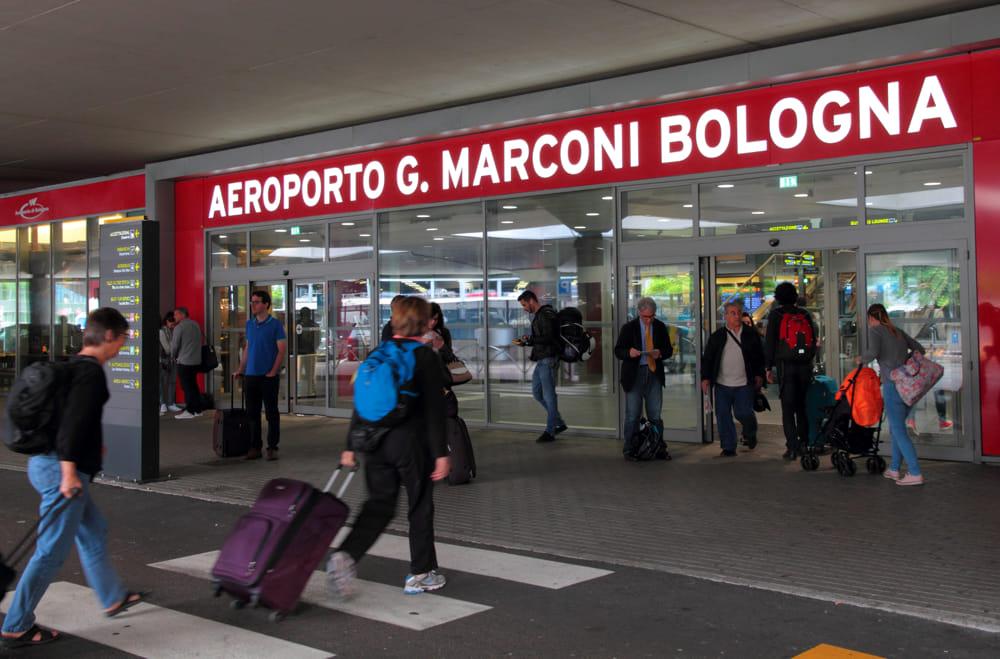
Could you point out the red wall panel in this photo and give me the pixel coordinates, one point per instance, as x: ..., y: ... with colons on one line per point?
x: 118, y: 194
x: 986, y: 158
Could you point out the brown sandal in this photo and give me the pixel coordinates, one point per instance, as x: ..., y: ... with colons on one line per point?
x: 27, y: 639
x: 131, y: 599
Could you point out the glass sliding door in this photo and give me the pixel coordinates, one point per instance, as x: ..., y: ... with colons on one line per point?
x: 351, y: 335
x: 307, y: 345
x: 227, y: 332
x: 922, y: 291
x: 34, y: 293
x: 675, y: 289
x: 280, y: 309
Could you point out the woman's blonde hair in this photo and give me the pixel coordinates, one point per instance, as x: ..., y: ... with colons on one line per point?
x: 878, y: 312
x: 410, y: 316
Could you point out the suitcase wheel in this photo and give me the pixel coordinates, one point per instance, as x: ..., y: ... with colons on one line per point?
x: 217, y: 589
x: 276, y: 616
x: 255, y: 600
x: 238, y: 604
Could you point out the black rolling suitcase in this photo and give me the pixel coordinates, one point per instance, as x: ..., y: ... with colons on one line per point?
x: 231, y: 430
x: 463, y: 461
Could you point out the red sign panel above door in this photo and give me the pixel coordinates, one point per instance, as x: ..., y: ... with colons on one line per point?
x: 892, y: 109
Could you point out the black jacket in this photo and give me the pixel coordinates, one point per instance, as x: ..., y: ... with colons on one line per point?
x: 774, y: 326
x: 630, y: 336
x: 544, y: 340
x: 753, y: 354
x: 80, y: 438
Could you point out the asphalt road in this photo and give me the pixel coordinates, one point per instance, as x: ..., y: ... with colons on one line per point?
x: 625, y: 613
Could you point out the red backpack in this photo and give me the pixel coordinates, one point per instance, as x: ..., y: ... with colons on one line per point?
x: 796, y: 341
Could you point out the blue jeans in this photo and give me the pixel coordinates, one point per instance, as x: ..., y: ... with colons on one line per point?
x: 902, y: 447
x: 543, y: 388
x: 80, y: 521
x: 730, y: 401
x: 646, y: 389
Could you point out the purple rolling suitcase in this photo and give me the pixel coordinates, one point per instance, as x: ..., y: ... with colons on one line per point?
x: 274, y: 549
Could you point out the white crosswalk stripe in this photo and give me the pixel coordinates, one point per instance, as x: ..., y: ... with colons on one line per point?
x: 152, y: 631
x: 374, y: 601
x: 498, y: 565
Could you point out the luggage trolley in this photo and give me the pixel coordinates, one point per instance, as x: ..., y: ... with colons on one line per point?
x: 848, y: 439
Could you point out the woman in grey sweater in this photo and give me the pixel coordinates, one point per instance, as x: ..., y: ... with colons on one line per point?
x: 892, y: 346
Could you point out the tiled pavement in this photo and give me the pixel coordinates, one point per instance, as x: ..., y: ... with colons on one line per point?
x: 754, y: 520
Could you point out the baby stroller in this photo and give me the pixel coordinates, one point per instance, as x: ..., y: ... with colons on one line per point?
x: 853, y: 426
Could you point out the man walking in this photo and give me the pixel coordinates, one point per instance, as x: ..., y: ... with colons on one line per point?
x: 789, y: 349
x: 185, y: 347
x: 261, y: 367
x: 643, y: 344
x: 733, y: 364
x: 544, y: 342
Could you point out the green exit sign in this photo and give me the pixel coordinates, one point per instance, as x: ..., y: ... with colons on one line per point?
x: 296, y: 231
x: 788, y: 181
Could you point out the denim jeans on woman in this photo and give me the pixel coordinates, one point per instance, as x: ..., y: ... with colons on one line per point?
x: 543, y: 388
x: 902, y: 446
x: 78, y: 521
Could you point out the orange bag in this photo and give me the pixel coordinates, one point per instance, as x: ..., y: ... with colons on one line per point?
x: 865, y: 396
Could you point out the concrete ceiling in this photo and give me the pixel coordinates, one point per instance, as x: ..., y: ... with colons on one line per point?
x: 95, y: 87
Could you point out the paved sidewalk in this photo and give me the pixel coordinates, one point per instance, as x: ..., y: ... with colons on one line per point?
x: 752, y: 520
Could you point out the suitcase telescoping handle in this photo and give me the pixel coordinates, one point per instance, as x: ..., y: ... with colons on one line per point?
x: 347, y: 481
x: 20, y: 551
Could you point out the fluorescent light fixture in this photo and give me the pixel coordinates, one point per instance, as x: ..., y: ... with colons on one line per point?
x: 281, y: 230
x: 223, y: 236
x: 432, y: 228
x: 365, y: 235
x: 725, y: 186
x: 868, y: 172
x: 347, y: 224
x: 593, y: 214
x: 304, y: 240
x: 608, y: 198
x: 423, y: 216
x: 688, y: 205
x: 579, y: 226
x: 931, y: 184
x: 506, y: 221
x: 756, y: 212
x: 509, y: 208
x: 543, y: 250
x: 439, y: 239
x: 801, y: 195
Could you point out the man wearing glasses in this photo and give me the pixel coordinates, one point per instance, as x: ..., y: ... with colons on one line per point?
x: 260, y: 367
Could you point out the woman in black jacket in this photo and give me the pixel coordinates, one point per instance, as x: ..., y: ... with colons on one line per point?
x: 411, y: 454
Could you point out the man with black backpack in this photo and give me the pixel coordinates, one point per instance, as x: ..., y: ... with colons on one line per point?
x: 67, y: 455
x: 544, y: 342
x: 789, y: 350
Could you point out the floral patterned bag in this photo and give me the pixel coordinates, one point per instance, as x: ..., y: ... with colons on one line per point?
x: 916, y: 377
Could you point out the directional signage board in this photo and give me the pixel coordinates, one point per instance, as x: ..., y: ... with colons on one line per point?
x: 130, y: 252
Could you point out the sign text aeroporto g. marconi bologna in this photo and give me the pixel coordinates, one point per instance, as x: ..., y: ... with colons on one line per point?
x: 893, y: 109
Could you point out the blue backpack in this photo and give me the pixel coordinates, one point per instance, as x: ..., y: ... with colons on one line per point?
x: 383, y: 388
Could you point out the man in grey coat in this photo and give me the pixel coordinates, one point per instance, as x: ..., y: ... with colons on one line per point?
x: 185, y: 347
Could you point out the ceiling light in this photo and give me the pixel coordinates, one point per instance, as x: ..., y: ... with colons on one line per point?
x: 725, y: 186
x: 365, y: 235
x: 423, y: 216
x: 223, y: 236
x: 543, y: 250
x: 281, y: 230
x: 509, y: 208
x: 688, y: 205
x: 304, y: 240
x: 432, y: 228
x: 868, y: 172
x: 348, y: 224
x: 802, y: 195
x: 932, y: 183
x: 439, y: 239
x: 608, y: 198
x: 579, y: 226
x: 756, y: 212
x: 593, y: 214
x: 506, y: 221
x: 600, y: 249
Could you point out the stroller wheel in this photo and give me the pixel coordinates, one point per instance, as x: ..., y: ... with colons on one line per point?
x: 850, y: 467
x: 872, y: 465
x: 835, y: 460
x: 881, y: 463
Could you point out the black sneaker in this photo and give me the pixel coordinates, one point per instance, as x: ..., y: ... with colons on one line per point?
x: 561, y: 428
x: 751, y: 442
x: 545, y: 437
x: 726, y: 453
x: 789, y: 455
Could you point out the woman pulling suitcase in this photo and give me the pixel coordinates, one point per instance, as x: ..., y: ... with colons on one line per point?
x: 411, y: 454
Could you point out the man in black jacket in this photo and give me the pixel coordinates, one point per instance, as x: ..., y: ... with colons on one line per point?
x: 791, y: 370
x: 733, y: 364
x: 544, y: 342
x: 643, y: 344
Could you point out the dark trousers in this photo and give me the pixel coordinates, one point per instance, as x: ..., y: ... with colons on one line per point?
x: 262, y: 389
x: 400, y: 459
x: 188, y: 375
x: 793, y: 383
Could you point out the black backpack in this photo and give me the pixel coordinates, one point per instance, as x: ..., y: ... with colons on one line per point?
x: 575, y: 343
x: 646, y: 444
x: 33, y: 407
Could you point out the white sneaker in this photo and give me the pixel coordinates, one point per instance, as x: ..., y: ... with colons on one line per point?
x: 163, y: 409
x: 341, y: 572
x: 186, y: 415
x: 421, y: 583
x: 173, y: 408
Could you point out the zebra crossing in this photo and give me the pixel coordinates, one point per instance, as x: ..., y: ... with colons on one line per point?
x: 150, y: 630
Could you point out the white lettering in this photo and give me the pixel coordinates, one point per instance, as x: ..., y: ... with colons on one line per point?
x: 233, y: 199
x: 292, y: 188
x: 455, y: 175
x: 545, y: 171
x: 406, y: 180
x: 869, y: 103
x: 311, y: 197
x: 251, y: 197
x: 333, y: 180
x: 674, y: 129
x: 842, y: 120
x: 577, y: 137
x: 272, y: 194
x: 352, y: 171
x: 744, y: 145
x: 801, y: 123
x: 613, y: 149
x: 512, y: 162
x: 486, y: 167
x: 217, y: 205
x: 700, y: 133
x: 633, y: 147
x: 931, y: 104
x: 374, y: 172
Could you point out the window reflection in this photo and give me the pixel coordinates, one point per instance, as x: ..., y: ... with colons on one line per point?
x: 294, y: 243
x: 915, y: 191
x: 658, y: 213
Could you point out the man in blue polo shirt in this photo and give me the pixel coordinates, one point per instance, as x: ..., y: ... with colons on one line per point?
x: 261, y: 369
